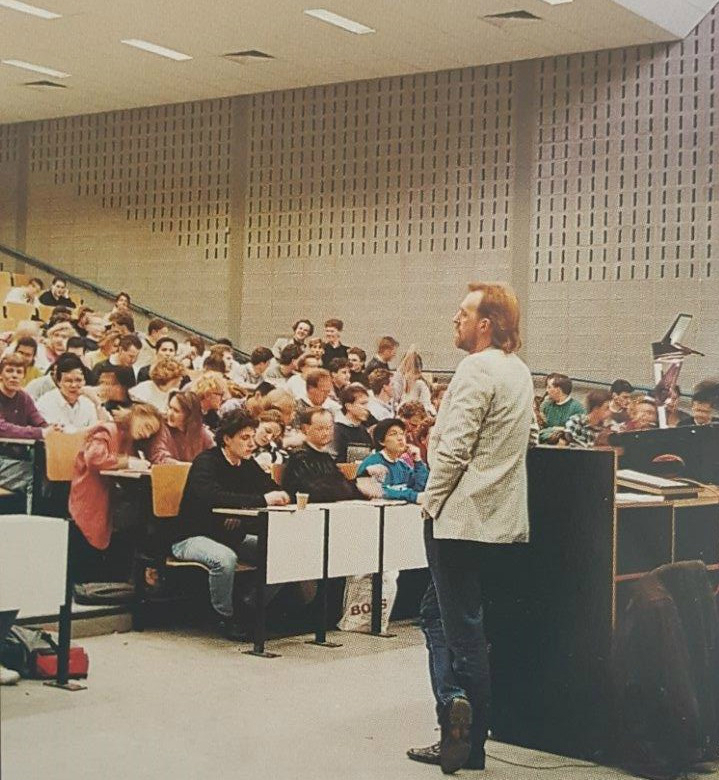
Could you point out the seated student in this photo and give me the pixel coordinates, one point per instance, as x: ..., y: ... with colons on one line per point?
x: 128, y: 350
x: 284, y: 367
x: 316, y: 348
x: 297, y: 383
x: 195, y: 353
x: 165, y: 376
x: 55, y: 344
x: 350, y: 422
x: 301, y: 331
x: 413, y: 414
x: 76, y: 346
x: 311, y: 468
x: 400, y: 481
x: 94, y: 333
x: 410, y: 385
x: 357, y: 358
x: 268, y: 438
x: 122, y: 321
x: 122, y: 305
x: 438, y: 391
x: 643, y: 415
x: 386, y: 353
x: 282, y: 401
x: 26, y: 348
x: 183, y: 436
x: 318, y: 386
x: 109, y: 446
x: 249, y: 375
x: 339, y: 369
x: 211, y: 389
x: 675, y: 416
x: 56, y: 294
x: 381, y: 400
x: 27, y: 294
x: 332, y: 344
x: 82, y: 317
x: 156, y: 330
x: 113, y: 386
x: 107, y: 346
x: 67, y: 405
x: 587, y: 430
x: 704, y: 403
x: 165, y: 347
x: 19, y: 419
x: 224, y: 476
x: 621, y: 394
x: 558, y: 407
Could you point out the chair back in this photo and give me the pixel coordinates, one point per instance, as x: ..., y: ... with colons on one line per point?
x: 5, y: 279
x: 60, y: 452
x: 44, y: 312
x: 19, y: 311
x: 277, y: 472
x: 6, y: 324
x: 20, y: 280
x: 168, y: 483
x: 348, y: 469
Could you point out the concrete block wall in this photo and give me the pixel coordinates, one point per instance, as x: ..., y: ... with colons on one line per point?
x: 589, y: 182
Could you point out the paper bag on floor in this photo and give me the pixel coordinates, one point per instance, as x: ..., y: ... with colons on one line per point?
x: 358, y: 602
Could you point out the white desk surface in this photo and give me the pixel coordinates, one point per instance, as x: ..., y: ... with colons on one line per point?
x: 33, y: 563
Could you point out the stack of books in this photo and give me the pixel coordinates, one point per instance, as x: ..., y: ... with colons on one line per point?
x: 658, y: 486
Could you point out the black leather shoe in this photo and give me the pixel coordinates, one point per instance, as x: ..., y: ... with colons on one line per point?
x: 455, y: 746
x: 431, y: 755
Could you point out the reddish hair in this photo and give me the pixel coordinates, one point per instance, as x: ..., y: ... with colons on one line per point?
x: 500, y: 306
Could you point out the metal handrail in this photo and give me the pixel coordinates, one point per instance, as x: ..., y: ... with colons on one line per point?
x: 103, y: 293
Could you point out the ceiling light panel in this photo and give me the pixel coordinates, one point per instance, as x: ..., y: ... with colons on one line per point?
x: 153, y: 48
x: 58, y: 74
x: 24, y: 8
x: 339, y: 21
x: 557, y: 2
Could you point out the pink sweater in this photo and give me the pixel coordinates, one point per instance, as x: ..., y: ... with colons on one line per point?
x: 171, y: 445
x: 89, y: 492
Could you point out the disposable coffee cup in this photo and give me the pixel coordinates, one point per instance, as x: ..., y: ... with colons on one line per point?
x: 302, y: 499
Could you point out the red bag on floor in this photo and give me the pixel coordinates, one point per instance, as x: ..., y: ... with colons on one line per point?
x: 44, y: 663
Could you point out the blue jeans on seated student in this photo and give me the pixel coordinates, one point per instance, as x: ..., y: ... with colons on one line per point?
x: 15, y: 475
x: 221, y: 561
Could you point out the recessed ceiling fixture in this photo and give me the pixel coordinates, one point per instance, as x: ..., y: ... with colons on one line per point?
x: 250, y: 54
x: 557, y: 2
x: 58, y: 74
x: 153, y: 48
x: 339, y: 21
x: 24, y: 8
x: 45, y: 85
x: 516, y: 15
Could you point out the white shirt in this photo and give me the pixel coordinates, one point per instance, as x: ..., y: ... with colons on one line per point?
x: 380, y: 410
x: 55, y: 409
x: 297, y: 385
x: 19, y: 295
x: 39, y: 387
x: 149, y: 393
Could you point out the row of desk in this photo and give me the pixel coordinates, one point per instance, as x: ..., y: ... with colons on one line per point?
x: 323, y: 541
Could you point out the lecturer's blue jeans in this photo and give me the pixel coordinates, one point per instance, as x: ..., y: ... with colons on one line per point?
x: 466, y: 576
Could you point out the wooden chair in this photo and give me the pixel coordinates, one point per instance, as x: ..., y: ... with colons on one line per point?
x: 348, y: 469
x: 5, y: 279
x: 168, y: 483
x: 19, y: 311
x: 61, y: 450
x: 44, y: 312
x: 20, y: 280
x: 6, y: 324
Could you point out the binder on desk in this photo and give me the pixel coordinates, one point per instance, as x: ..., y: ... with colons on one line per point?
x: 659, y: 486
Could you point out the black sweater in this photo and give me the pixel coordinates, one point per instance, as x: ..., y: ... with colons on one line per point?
x: 310, y: 471
x: 213, y: 482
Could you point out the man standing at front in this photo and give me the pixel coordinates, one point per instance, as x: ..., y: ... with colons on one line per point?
x: 475, y: 508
